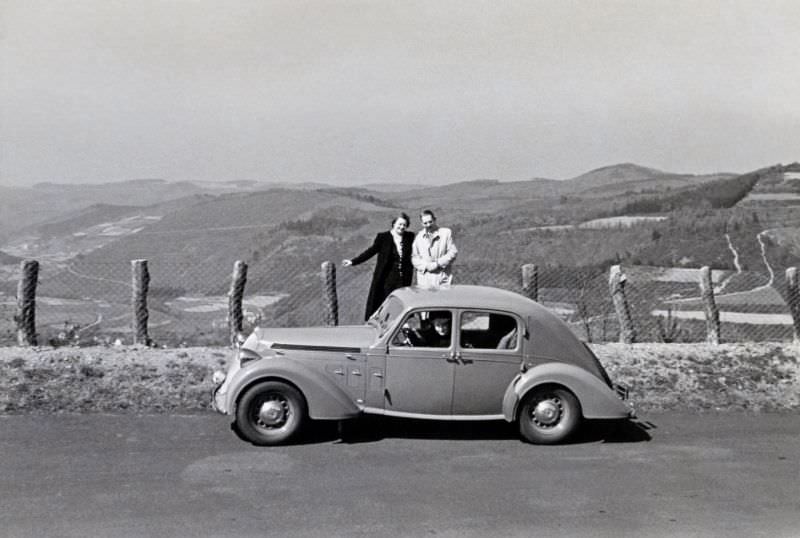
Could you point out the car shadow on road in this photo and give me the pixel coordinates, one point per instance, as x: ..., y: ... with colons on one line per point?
x: 615, y: 431
x: 373, y: 429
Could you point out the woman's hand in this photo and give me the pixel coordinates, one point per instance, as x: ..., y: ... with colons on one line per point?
x: 347, y: 263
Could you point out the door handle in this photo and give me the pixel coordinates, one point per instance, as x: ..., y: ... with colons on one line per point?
x: 455, y: 356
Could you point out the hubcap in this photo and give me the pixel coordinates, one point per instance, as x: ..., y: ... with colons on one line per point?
x: 272, y: 413
x: 547, y: 413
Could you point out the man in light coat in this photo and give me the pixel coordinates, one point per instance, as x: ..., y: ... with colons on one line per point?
x: 433, y: 253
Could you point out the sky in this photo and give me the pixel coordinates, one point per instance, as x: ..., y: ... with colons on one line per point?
x: 351, y: 92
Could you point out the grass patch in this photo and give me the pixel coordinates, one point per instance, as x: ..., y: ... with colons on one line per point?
x: 757, y: 377
x: 693, y: 377
x: 107, y: 380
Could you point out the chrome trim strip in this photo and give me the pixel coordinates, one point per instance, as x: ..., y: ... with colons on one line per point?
x: 304, y: 347
x: 426, y: 416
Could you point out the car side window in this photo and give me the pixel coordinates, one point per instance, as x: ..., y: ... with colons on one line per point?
x: 427, y: 328
x: 488, y: 330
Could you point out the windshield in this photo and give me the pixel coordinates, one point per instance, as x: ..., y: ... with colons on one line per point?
x: 385, y: 317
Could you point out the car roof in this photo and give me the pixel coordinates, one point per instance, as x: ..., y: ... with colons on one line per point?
x: 466, y: 296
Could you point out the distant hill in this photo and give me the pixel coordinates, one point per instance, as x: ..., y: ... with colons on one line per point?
x: 607, y: 175
x: 83, y: 218
x: 490, y: 195
x: 301, y: 226
x: 47, y: 202
x: 481, y: 196
x: 81, y: 210
x: 618, y: 173
x: 97, y: 214
x: 191, y: 240
x: 243, y: 185
x: 211, y: 234
x: 664, y: 183
x: 393, y: 187
x: 225, y: 225
x: 21, y: 208
x: 132, y: 192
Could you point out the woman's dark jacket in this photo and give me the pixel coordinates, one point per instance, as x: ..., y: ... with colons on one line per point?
x: 391, y: 271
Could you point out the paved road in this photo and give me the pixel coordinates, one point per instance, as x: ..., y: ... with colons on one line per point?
x: 672, y: 475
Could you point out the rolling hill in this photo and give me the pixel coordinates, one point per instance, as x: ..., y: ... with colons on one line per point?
x: 203, y: 227
x: 21, y: 208
x: 284, y: 234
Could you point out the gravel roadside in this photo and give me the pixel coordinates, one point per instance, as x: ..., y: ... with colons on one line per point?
x: 674, y: 377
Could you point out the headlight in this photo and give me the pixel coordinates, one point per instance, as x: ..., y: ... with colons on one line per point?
x: 218, y: 377
x: 239, y: 340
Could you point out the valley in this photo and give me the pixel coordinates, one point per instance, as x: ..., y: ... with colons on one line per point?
x: 659, y: 226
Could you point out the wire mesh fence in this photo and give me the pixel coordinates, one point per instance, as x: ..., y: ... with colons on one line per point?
x: 82, y: 303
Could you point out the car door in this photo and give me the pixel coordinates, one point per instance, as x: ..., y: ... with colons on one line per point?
x: 488, y: 354
x: 420, y: 366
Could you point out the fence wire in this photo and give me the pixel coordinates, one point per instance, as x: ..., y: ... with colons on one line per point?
x: 82, y: 303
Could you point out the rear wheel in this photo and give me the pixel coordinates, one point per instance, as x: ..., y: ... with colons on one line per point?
x: 549, y: 415
x: 270, y: 413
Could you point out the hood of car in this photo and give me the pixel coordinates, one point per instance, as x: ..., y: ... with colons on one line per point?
x: 349, y: 338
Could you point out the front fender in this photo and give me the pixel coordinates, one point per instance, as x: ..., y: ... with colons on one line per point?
x: 596, y: 398
x: 325, y: 399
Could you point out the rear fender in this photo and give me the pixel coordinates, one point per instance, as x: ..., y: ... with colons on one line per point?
x: 596, y: 398
x: 325, y: 399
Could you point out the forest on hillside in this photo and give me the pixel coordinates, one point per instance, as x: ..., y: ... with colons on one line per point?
x: 284, y: 236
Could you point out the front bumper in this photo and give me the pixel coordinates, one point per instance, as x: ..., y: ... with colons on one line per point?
x: 221, y: 380
x: 226, y: 381
x: 623, y: 392
x: 218, y: 399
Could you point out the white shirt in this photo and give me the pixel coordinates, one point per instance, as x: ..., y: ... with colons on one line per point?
x: 398, y: 242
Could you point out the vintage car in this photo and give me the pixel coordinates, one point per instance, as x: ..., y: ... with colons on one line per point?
x: 462, y: 353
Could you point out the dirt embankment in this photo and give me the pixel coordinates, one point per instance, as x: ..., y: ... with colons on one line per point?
x: 695, y: 377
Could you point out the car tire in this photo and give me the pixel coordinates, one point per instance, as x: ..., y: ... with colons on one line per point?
x: 270, y: 413
x: 549, y: 415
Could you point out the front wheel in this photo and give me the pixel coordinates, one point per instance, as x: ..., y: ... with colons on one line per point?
x: 549, y: 415
x: 270, y: 413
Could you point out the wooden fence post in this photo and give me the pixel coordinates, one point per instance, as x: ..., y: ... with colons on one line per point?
x: 26, y: 303
x: 140, y: 285
x: 616, y: 285
x: 709, y: 305
x: 331, y: 312
x: 530, y: 281
x: 793, y: 299
x: 235, y: 295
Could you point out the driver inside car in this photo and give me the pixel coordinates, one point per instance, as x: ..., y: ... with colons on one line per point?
x: 426, y: 329
x: 439, y: 334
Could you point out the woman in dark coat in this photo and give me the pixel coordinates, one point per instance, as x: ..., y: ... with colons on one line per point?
x: 393, y: 269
